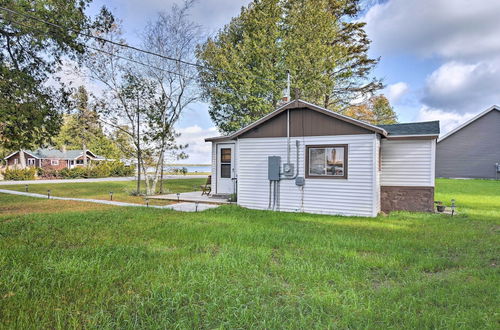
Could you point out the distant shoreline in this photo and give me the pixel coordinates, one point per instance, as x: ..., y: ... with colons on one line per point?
x: 188, y: 165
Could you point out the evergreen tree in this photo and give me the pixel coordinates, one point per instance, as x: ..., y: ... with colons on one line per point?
x: 82, y: 130
x: 244, y: 67
x: 31, y: 51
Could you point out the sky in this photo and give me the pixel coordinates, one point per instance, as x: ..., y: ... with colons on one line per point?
x: 439, y: 59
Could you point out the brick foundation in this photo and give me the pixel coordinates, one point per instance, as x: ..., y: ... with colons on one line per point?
x: 417, y: 199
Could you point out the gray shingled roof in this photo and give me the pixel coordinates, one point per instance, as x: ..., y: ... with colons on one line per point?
x: 423, y: 128
x: 54, y: 153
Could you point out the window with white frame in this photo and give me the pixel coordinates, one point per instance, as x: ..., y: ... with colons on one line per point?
x: 326, y: 161
x: 31, y: 161
x: 54, y: 162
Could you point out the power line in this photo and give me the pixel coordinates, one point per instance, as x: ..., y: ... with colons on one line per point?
x: 109, y: 53
x: 88, y: 35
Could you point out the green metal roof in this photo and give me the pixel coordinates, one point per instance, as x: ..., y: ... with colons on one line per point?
x: 54, y: 153
x: 422, y: 128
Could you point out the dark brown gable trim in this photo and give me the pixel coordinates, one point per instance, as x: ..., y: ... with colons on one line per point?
x: 303, y: 122
x: 274, y: 127
x: 298, y: 104
x: 346, y: 165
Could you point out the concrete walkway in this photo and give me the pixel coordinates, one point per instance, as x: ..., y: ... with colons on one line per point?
x: 184, y: 207
x: 192, y: 196
x: 129, y: 178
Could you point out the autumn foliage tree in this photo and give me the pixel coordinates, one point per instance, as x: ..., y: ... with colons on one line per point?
x: 376, y: 110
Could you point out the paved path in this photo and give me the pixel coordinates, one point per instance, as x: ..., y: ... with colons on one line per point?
x: 129, y: 178
x: 193, y: 196
x: 185, y: 207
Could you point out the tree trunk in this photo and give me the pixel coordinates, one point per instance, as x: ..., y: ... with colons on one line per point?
x: 139, y: 158
x: 84, y: 155
x: 161, y: 173
x: 22, y: 159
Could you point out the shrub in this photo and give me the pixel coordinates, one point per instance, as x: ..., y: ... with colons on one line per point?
x: 20, y: 174
x: 99, y: 170
x: 48, y: 173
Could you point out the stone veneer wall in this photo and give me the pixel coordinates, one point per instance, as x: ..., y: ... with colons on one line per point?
x: 416, y: 199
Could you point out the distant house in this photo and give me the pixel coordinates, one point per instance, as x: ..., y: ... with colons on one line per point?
x: 471, y: 150
x: 52, y: 158
x: 304, y: 158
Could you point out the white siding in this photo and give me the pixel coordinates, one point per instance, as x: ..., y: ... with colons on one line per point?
x: 214, y: 167
x: 408, y: 162
x: 354, y: 196
x: 377, y: 171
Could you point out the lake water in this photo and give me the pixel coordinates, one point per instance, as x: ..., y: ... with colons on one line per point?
x: 190, y: 168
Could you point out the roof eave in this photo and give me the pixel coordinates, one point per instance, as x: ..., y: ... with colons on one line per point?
x: 468, y: 122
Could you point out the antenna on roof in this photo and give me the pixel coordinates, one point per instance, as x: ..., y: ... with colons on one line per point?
x: 286, y: 92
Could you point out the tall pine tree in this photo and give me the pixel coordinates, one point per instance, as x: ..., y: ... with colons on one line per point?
x: 244, y: 67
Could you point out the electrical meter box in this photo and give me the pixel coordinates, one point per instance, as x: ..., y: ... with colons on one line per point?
x: 273, y: 168
x: 288, y: 169
x: 299, y: 181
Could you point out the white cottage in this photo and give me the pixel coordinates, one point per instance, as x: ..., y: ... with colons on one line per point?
x: 304, y: 158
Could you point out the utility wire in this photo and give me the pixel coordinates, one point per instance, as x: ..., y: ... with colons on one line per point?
x: 108, y: 53
x: 88, y: 35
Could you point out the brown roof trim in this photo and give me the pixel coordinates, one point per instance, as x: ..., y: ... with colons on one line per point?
x: 297, y: 104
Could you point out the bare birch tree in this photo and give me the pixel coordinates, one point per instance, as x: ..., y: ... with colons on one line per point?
x: 145, y: 97
x: 173, y: 36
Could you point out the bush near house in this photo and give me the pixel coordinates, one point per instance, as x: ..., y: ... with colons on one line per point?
x: 101, y: 170
x: 19, y: 174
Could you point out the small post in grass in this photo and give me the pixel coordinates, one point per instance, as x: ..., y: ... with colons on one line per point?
x: 178, y: 197
x: 452, y: 207
x: 196, y: 206
x: 147, y: 202
x: 26, y: 187
x: 110, y: 195
x: 48, y: 194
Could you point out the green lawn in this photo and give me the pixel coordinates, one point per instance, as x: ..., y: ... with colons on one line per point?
x: 237, y: 268
x: 100, y: 190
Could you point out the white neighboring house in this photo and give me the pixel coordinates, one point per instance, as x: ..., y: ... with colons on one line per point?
x: 328, y: 163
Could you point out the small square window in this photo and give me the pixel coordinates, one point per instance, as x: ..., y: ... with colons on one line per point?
x: 328, y: 161
x: 54, y: 162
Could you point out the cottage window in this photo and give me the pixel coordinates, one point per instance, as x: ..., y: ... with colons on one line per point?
x: 326, y: 161
x: 31, y: 161
x: 225, y: 162
x: 54, y: 162
x: 79, y: 161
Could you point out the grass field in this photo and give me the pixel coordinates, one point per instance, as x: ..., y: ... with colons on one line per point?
x: 100, y: 190
x: 237, y: 268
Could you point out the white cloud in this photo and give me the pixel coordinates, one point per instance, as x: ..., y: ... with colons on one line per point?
x: 463, y: 87
x: 198, y: 150
x: 447, y: 120
x: 463, y: 34
x: 395, y: 91
x: 447, y: 28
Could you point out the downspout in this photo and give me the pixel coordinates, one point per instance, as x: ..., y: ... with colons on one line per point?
x: 288, y: 136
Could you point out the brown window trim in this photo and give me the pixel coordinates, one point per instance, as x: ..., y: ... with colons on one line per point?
x: 346, y: 152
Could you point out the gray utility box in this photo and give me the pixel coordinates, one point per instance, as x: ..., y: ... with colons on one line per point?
x: 288, y: 169
x: 273, y: 168
x: 299, y: 181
